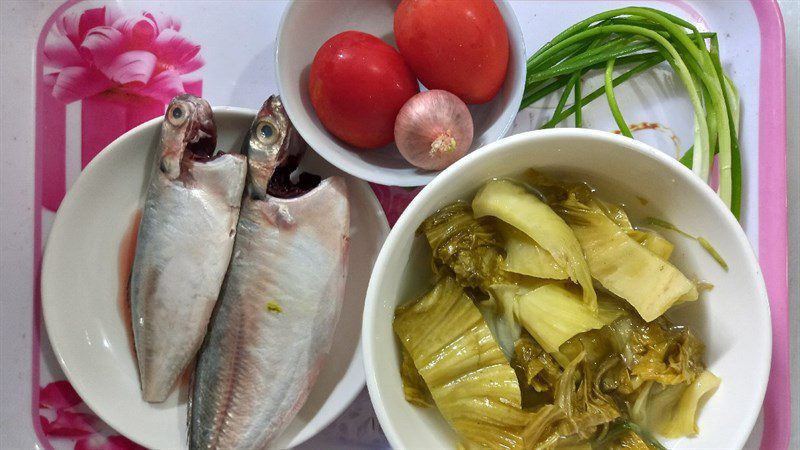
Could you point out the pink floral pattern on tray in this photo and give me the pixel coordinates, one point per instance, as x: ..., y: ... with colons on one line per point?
x: 103, y: 51
x: 123, y: 68
x: 63, y: 415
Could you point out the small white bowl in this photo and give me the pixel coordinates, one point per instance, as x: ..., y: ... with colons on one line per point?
x: 306, y: 25
x: 732, y: 319
x: 83, y: 285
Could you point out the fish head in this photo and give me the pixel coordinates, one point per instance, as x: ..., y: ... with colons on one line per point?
x: 188, y: 131
x: 269, y: 142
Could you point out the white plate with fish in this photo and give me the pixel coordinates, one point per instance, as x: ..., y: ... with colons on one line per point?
x: 85, y: 297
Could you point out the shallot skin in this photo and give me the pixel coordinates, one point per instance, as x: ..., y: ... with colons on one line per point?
x: 433, y: 129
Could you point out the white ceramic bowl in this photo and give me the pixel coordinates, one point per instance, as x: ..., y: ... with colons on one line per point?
x: 83, y: 280
x: 732, y: 319
x: 306, y: 25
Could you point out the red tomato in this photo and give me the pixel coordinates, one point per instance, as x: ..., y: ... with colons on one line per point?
x: 458, y: 46
x: 358, y: 83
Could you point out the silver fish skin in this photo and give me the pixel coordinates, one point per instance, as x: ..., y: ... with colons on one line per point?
x: 275, y: 319
x: 184, y: 244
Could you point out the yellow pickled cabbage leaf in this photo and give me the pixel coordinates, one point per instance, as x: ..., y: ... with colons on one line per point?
x: 651, y: 351
x: 504, y: 327
x: 468, y: 246
x: 573, y: 446
x: 628, y: 441
x: 653, y: 242
x: 524, y: 256
x: 552, y: 305
x: 536, y: 367
x: 414, y: 387
x: 579, y: 395
x: 554, y: 192
x: 668, y: 355
x: 646, y: 238
x: 614, y: 212
x: 507, y: 292
x: 542, y: 431
x: 501, y: 313
x: 514, y: 205
x: 623, y: 266
x: 469, y: 378
x: 626, y: 435
x: 609, y: 309
x: 552, y: 314
x: 671, y: 411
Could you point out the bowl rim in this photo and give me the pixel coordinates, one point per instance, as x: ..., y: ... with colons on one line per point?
x: 343, y: 163
x: 412, y: 213
x: 51, y: 323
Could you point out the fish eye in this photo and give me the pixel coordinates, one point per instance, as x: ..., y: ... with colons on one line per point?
x: 266, y: 132
x: 177, y: 114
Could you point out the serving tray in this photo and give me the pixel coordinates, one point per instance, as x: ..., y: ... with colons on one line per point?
x: 234, y: 65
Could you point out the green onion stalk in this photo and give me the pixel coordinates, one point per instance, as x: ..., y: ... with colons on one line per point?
x: 638, y: 39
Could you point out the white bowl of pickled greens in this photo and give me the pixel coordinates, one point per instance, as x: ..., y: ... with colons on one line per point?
x: 567, y: 288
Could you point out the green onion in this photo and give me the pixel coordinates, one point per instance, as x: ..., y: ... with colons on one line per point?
x: 644, y: 65
x: 578, y: 102
x: 637, y: 39
x: 701, y: 240
x: 612, y: 100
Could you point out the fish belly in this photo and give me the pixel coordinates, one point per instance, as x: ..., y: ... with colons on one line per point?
x: 182, y: 253
x: 275, y: 320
